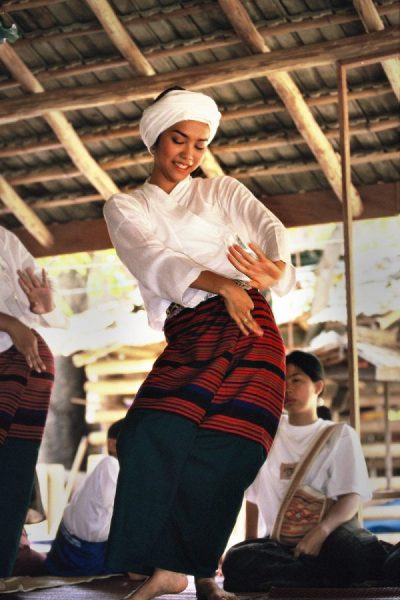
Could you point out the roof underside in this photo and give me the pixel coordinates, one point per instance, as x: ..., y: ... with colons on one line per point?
x: 68, y: 51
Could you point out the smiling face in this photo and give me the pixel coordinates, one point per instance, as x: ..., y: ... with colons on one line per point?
x: 178, y: 152
x: 301, y: 396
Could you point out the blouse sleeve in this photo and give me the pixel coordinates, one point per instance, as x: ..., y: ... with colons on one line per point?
x: 162, y: 271
x: 263, y: 227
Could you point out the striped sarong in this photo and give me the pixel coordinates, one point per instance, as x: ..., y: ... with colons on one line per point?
x: 24, y: 394
x: 217, y: 377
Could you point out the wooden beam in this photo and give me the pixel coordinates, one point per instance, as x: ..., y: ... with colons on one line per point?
x: 123, y: 41
x: 291, y: 96
x: 351, y: 326
x: 295, y: 210
x: 373, y: 22
x: 75, y: 236
x: 318, y: 20
x: 316, y: 208
x: 124, y: 130
x: 201, y: 76
x: 108, y: 164
x: 64, y: 131
x: 120, y: 37
x: 16, y: 5
x: 25, y: 215
x: 281, y: 167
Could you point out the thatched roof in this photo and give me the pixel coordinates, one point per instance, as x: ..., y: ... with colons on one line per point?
x: 73, y: 86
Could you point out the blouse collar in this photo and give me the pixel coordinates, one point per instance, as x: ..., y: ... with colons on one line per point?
x: 177, y: 193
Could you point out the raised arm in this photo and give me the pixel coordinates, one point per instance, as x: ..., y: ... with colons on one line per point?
x: 267, y: 238
x: 37, y: 289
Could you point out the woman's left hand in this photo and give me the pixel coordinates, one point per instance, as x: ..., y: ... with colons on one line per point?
x: 260, y: 270
x: 37, y: 290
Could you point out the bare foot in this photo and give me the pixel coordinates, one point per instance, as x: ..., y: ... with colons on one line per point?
x: 136, y: 576
x: 161, y: 582
x: 208, y: 589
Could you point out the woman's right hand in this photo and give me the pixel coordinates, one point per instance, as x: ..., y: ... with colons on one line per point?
x: 239, y: 306
x: 26, y: 342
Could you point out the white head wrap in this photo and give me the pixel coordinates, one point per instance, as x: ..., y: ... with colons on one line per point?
x: 176, y: 106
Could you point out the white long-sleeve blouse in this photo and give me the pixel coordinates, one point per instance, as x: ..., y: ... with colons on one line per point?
x: 167, y: 240
x: 13, y: 301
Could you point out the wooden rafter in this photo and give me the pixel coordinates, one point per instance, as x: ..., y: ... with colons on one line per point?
x: 64, y: 131
x: 121, y: 38
x: 25, y: 214
x: 287, y: 138
x: 373, y: 22
x: 274, y: 169
x: 14, y: 6
x: 308, y: 208
x: 291, y: 96
x: 125, y: 130
x: 200, y: 76
x: 318, y: 20
x: 102, y: 65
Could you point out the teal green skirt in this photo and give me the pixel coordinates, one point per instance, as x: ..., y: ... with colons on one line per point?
x: 179, y: 492
x: 17, y: 471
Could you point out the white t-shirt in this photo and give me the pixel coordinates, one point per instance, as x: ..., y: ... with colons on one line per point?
x: 88, y: 514
x: 339, y: 468
x: 13, y: 301
x: 167, y: 240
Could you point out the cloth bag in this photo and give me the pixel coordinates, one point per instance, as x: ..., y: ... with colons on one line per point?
x: 303, y: 507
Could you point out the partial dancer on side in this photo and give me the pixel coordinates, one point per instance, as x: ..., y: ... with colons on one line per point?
x: 204, y: 420
x: 26, y: 379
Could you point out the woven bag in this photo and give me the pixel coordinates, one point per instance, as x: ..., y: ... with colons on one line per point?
x: 303, y: 507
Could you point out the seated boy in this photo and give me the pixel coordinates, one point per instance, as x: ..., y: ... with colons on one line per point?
x: 80, y: 544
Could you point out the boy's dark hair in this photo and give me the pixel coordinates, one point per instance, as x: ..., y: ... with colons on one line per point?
x: 308, y: 363
x: 165, y: 92
x: 114, y: 429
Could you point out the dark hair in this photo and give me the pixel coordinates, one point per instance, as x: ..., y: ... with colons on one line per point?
x: 308, y: 363
x: 114, y: 429
x: 167, y: 91
x: 324, y: 412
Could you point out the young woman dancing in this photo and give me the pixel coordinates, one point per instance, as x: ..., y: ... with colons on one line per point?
x: 204, y: 419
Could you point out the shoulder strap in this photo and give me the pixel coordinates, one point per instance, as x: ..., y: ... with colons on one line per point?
x: 303, y: 465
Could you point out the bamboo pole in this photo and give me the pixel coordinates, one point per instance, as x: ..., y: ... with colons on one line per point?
x: 25, y: 214
x: 352, y: 356
x: 293, y: 99
x: 64, y: 131
x: 373, y: 22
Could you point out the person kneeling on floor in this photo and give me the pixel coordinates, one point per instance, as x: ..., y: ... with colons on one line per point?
x: 80, y: 544
x: 336, y: 551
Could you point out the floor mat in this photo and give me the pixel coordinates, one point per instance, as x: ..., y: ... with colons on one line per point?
x: 392, y: 593
x: 10, y: 585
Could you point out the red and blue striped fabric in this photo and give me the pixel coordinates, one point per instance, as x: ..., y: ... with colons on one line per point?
x: 24, y: 394
x: 217, y: 377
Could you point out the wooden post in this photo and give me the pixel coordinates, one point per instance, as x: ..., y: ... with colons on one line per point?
x: 388, y: 438
x: 352, y: 357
